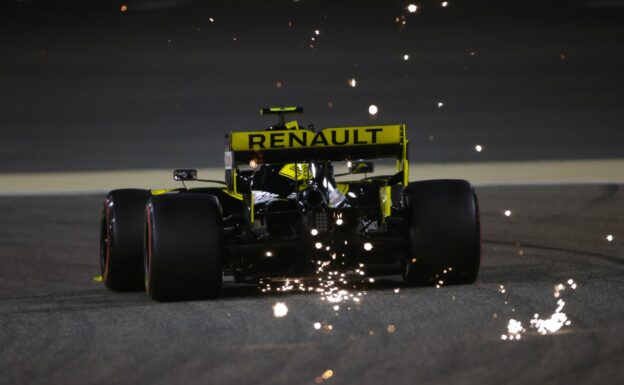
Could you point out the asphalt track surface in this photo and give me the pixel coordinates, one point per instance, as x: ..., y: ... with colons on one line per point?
x: 59, y: 327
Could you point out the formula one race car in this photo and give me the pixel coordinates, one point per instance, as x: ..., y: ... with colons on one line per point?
x: 284, y: 207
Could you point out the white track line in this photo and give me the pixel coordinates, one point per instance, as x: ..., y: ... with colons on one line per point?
x: 480, y: 174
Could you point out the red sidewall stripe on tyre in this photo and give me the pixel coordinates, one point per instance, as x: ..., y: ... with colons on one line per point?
x: 108, y: 239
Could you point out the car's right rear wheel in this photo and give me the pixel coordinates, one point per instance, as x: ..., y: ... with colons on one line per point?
x: 183, y: 247
x: 444, y: 233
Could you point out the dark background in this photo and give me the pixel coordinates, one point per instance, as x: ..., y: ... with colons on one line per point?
x: 88, y: 87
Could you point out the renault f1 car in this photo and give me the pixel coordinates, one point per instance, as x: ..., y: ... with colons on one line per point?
x: 283, y: 207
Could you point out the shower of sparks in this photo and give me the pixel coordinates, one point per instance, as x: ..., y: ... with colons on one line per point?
x: 552, y: 324
x: 406, y: 57
x: 352, y: 82
x: 412, y: 8
x: 609, y: 238
x: 373, y: 110
x: 478, y: 148
x: 507, y: 213
x: 280, y: 310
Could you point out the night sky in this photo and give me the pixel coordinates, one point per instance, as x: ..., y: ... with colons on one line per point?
x: 89, y: 87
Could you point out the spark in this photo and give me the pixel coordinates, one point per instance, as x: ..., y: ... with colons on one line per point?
x: 553, y: 324
x: 609, y: 238
x: 371, y: 280
x: 317, y: 32
x: 406, y: 57
x: 368, y: 246
x: 211, y: 19
x: 391, y: 328
x: 396, y: 291
x: 269, y: 254
x: 124, y: 8
x: 440, y: 104
x: 317, y: 325
x: 478, y: 148
x: 318, y: 245
x: 280, y: 309
x: 352, y: 82
x: 315, y: 232
x: 514, y: 330
x: 336, y: 307
x: 278, y: 84
x: 412, y: 8
x: 373, y: 110
x: 507, y: 213
x: 339, y: 221
x: 253, y: 163
x: 444, y: 4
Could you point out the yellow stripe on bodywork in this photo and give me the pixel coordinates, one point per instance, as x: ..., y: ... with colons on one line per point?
x: 385, y: 197
x: 161, y: 191
x: 233, y: 194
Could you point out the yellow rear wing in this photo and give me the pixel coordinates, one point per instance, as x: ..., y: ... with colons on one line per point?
x: 333, y: 144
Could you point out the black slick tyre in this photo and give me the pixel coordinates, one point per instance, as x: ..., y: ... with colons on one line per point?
x: 183, y: 247
x: 444, y: 233
x: 121, y: 239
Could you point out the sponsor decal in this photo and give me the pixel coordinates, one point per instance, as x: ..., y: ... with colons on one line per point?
x: 330, y: 137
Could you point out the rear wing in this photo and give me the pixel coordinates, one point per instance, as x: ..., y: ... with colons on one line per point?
x: 334, y: 144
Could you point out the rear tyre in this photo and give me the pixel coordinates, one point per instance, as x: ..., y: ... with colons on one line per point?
x: 121, y: 239
x: 183, y: 247
x: 444, y: 233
